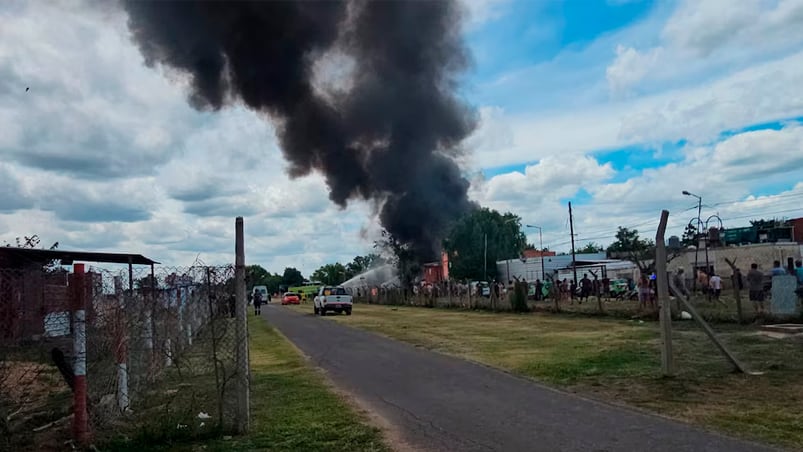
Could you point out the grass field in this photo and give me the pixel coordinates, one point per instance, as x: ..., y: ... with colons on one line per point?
x: 292, y: 407
x: 619, y: 361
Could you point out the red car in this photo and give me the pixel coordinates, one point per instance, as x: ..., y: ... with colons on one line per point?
x: 291, y: 298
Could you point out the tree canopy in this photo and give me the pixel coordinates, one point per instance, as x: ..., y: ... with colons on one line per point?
x: 330, y: 274
x: 466, y: 243
x: 337, y: 273
x: 590, y: 248
x: 292, y: 277
x: 636, y: 249
x: 256, y: 275
x: 689, y: 235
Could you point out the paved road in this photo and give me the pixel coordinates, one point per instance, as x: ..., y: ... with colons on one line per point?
x: 437, y: 402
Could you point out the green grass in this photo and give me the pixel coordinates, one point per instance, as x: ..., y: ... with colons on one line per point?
x: 619, y: 360
x: 292, y: 409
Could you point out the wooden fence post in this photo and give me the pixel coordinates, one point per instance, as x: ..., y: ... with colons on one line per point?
x: 665, y: 314
x: 736, y: 291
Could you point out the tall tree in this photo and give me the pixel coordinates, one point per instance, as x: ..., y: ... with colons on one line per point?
x: 401, y: 256
x: 360, y: 264
x: 466, y: 243
x: 256, y: 275
x: 292, y: 277
x: 689, y: 235
x: 629, y: 244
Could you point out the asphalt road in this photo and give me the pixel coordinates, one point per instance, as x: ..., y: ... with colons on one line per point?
x: 440, y: 403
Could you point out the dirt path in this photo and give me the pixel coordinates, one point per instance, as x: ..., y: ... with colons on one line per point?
x: 437, y: 402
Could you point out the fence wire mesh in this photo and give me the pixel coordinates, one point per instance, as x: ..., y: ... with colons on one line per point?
x: 160, y: 353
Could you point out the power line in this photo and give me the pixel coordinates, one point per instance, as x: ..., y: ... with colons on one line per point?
x: 612, y: 235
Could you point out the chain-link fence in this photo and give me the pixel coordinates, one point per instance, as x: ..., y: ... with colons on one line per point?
x: 153, y: 352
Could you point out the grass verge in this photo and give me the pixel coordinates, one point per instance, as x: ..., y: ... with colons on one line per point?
x: 292, y: 408
x: 619, y: 361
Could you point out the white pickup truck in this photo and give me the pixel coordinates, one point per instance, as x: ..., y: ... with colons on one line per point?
x: 331, y: 298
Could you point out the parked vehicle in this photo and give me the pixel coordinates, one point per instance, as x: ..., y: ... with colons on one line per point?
x: 263, y: 290
x: 291, y: 298
x: 480, y: 288
x: 619, y: 287
x: 332, y: 299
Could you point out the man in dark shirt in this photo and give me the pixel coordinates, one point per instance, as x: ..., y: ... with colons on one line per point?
x: 585, y: 287
x: 755, y: 283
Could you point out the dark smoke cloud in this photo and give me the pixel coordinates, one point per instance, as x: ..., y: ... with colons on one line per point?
x: 390, y: 138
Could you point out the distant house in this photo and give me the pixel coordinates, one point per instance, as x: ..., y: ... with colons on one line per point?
x: 528, y: 254
x: 433, y: 273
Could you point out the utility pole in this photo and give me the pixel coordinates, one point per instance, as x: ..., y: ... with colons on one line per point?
x: 571, y: 231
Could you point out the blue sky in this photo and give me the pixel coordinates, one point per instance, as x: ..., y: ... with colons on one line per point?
x: 615, y: 105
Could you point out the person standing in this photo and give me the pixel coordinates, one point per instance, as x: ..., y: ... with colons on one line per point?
x: 538, y: 288
x: 799, y: 272
x: 680, y: 283
x: 777, y: 270
x: 257, y: 302
x: 716, y: 286
x: 585, y: 287
x: 644, y: 290
x: 606, y: 287
x: 755, y: 284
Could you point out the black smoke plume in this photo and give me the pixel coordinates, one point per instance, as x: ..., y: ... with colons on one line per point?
x: 390, y: 138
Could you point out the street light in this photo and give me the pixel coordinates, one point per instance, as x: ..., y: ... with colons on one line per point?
x: 697, y: 238
x: 541, y: 244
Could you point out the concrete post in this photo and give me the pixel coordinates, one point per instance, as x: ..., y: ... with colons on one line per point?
x: 241, y: 330
x: 80, y: 423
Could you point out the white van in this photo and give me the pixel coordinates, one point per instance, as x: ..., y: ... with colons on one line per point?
x: 262, y: 290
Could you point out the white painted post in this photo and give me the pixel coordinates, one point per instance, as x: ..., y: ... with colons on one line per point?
x: 168, y: 352
x: 122, y: 386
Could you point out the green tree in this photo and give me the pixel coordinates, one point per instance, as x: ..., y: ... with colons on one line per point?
x: 466, y: 243
x: 590, y: 248
x: 330, y: 274
x: 689, y: 235
x: 292, y: 277
x: 256, y: 275
x: 402, y: 256
x: 360, y: 264
x: 630, y: 245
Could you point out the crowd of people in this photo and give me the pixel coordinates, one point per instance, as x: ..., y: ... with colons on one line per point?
x: 758, y: 283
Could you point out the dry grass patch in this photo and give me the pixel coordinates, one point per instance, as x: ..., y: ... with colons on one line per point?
x: 619, y: 360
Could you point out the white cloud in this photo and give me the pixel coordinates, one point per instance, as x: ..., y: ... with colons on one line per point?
x: 702, y: 37
x: 762, y: 93
x: 630, y: 67
x: 725, y: 174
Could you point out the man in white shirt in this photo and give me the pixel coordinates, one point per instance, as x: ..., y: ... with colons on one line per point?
x: 716, y: 286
